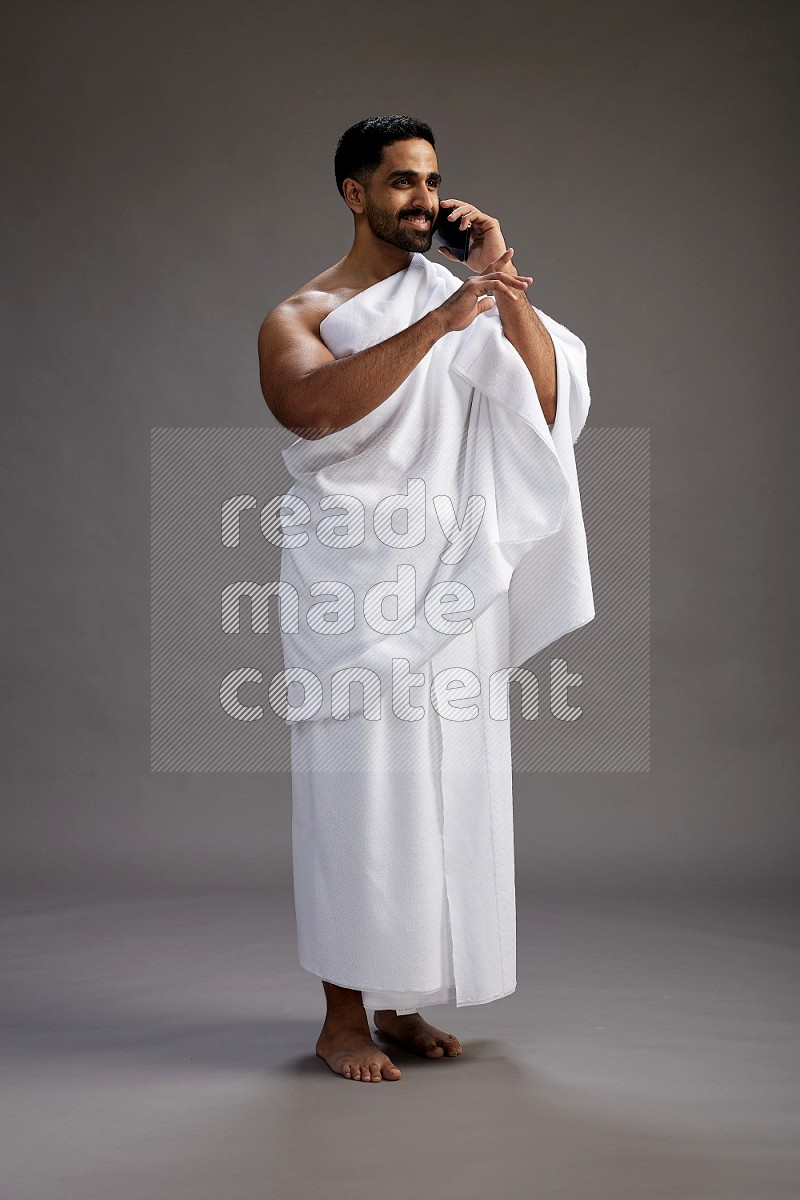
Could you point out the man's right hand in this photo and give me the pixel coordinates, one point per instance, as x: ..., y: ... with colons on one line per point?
x: 461, y: 309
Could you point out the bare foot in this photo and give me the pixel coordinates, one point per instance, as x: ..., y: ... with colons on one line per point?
x: 350, y: 1051
x: 414, y: 1032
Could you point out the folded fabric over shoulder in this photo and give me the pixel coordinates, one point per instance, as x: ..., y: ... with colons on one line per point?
x: 418, y: 518
x: 442, y: 531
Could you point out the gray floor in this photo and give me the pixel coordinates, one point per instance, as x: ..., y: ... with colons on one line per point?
x: 163, y: 1047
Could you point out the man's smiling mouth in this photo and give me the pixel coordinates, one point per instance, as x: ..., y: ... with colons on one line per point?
x: 420, y: 222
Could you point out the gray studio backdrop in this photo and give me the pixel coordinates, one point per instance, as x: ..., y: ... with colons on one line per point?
x: 169, y: 179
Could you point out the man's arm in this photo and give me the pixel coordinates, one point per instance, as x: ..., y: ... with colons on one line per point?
x: 533, y: 343
x: 313, y: 394
x: 521, y: 325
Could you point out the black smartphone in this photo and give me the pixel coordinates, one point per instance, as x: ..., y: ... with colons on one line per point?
x: 447, y: 233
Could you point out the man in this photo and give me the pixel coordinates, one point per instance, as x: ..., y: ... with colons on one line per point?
x: 387, y: 173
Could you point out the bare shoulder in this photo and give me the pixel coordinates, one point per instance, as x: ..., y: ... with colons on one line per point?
x: 307, y: 308
x: 290, y: 345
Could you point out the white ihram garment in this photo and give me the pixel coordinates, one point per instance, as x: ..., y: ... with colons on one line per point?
x: 402, y: 826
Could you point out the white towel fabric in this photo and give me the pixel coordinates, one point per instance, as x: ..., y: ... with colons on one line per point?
x: 402, y: 824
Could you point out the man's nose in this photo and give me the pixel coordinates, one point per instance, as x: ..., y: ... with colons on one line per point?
x: 421, y: 199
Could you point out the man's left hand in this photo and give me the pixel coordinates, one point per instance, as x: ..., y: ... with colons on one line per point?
x: 486, y: 242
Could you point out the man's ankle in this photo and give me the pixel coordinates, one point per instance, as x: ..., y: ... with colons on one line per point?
x: 338, y: 1019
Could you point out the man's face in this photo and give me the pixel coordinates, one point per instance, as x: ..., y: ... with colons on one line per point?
x: 402, y: 199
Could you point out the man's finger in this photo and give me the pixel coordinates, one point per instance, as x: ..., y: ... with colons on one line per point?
x: 457, y: 204
x: 505, y: 276
x: 517, y: 281
x: 464, y: 212
x: 510, y: 290
x: 499, y: 286
x: 502, y: 261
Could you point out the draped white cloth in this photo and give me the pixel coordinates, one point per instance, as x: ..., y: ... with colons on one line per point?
x: 431, y: 546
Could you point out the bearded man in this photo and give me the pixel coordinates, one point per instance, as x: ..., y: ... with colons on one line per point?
x: 393, y: 373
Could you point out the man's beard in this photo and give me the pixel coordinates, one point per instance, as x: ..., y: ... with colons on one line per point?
x: 388, y: 227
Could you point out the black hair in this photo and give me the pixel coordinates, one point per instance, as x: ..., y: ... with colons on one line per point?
x: 360, y: 148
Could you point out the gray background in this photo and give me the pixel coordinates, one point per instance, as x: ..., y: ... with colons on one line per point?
x: 170, y: 179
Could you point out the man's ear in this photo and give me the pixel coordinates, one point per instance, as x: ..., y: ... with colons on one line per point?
x: 353, y: 195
